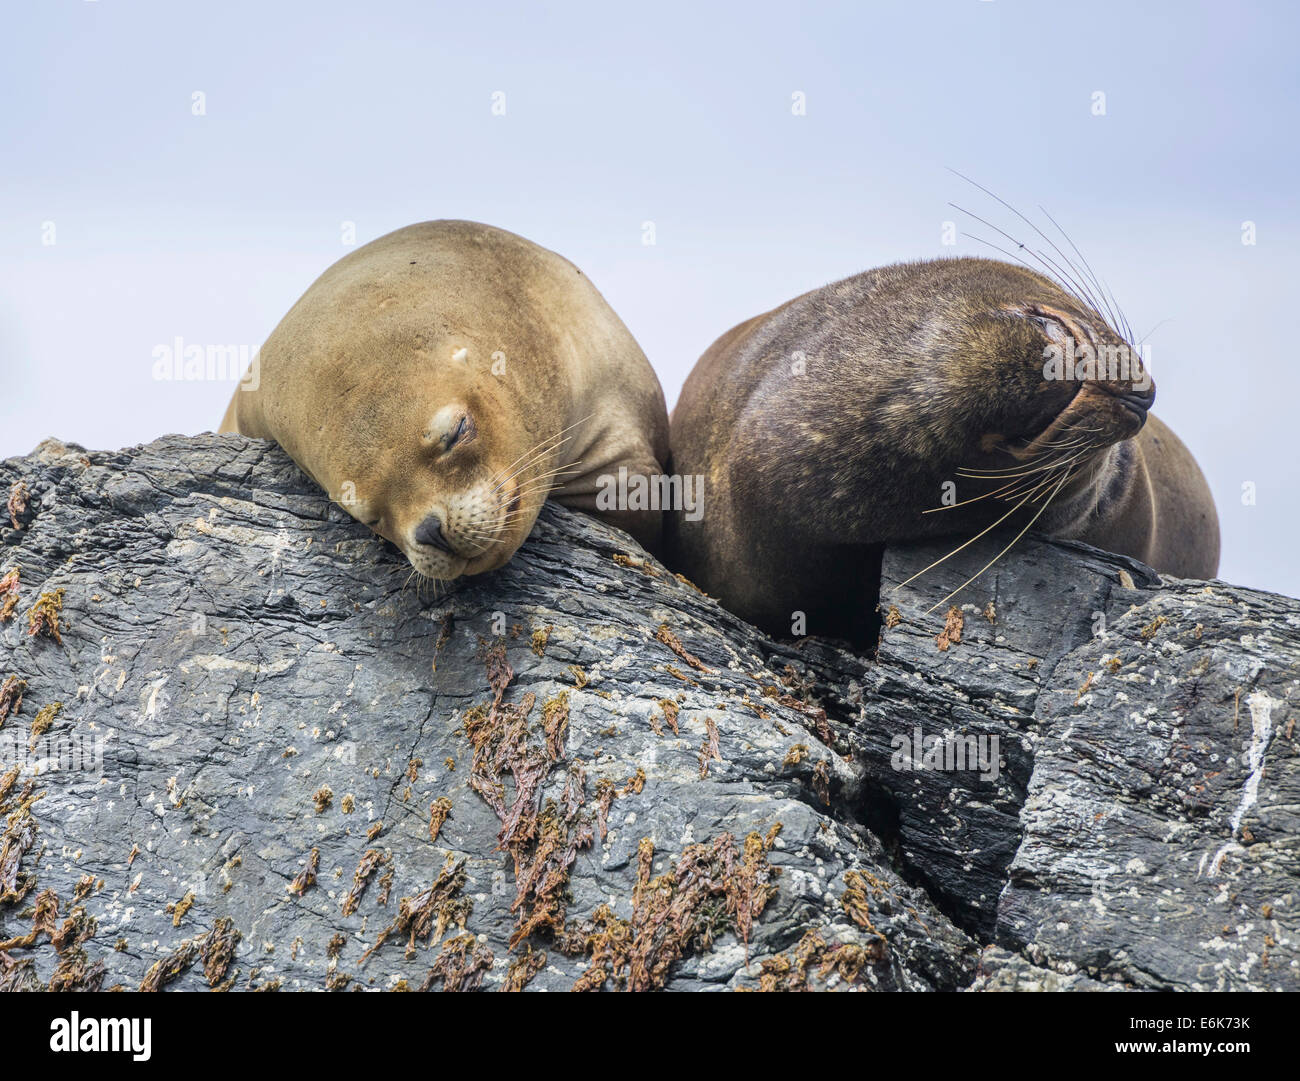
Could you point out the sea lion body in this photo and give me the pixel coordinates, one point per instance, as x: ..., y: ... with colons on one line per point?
x: 828, y: 427
x: 443, y: 380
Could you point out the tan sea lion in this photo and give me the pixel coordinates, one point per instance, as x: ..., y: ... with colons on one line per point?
x: 914, y: 401
x: 443, y: 381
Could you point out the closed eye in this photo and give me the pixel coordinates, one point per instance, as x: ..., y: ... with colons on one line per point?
x: 464, y: 431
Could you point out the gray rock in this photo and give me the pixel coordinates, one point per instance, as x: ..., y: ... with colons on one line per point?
x: 1001, y: 970
x: 1143, y: 826
x: 635, y: 788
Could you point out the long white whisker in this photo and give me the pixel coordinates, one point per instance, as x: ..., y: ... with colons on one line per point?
x: 963, y: 546
x: 1005, y: 550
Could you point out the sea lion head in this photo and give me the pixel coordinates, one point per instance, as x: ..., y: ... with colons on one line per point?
x: 435, y: 454
x: 1047, y: 385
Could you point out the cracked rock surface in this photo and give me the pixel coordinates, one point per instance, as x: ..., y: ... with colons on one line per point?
x: 250, y: 754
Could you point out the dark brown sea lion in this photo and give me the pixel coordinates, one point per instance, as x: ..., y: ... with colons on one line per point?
x: 913, y: 401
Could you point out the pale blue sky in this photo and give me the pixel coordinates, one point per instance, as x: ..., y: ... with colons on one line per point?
x: 209, y: 227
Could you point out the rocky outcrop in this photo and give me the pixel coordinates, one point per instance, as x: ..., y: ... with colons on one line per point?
x: 240, y: 748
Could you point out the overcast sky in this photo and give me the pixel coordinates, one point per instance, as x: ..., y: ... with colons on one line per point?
x: 186, y: 170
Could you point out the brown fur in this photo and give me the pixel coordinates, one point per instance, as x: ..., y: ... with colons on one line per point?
x: 910, y: 373
x: 365, y: 379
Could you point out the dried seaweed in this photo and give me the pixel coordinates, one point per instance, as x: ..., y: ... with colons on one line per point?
x: 19, y: 837
x: 172, y: 966
x: 18, y: 974
x: 11, y: 697
x: 709, y: 750
x: 43, y: 618
x: 555, y: 723
x: 306, y: 878
x: 8, y: 594
x: 707, y: 892
x: 460, y: 966
x: 665, y: 636
x: 543, y: 844
x: 812, y: 956
x: 370, y: 863
x: 540, y: 638
x: 18, y: 503
x: 76, y: 972
x: 218, y: 950
x: 44, y: 919
x: 429, y: 913
x: 439, y: 810
x: 42, y: 721
x: 953, y: 623
x: 523, y: 968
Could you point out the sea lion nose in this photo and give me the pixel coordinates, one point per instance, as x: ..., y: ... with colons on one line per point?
x: 430, y: 532
x: 1139, y: 399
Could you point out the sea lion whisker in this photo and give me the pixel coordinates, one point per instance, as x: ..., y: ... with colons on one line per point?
x: 539, y: 449
x: 1045, y: 237
x: 1035, y: 476
x: 1100, y: 283
x: 1150, y: 332
x: 1049, y: 496
x: 960, y: 547
x: 1113, y: 316
x: 1058, y: 462
x: 1034, y: 459
x: 995, y: 247
x: 1023, y: 470
x: 962, y: 475
x: 500, y: 480
x: 1032, y: 485
x: 1057, y: 444
x: 1036, y: 471
x: 509, y: 520
x: 973, y: 499
x: 539, y: 484
x: 1062, y: 279
x: 551, y: 474
x: 1039, y: 487
x: 1038, y: 490
x: 407, y: 583
x: 525, y: 491
x: 1070, y: 285
x: 544, y: 482
x: 503, y: 522
x: 545, y: 439
x: 1004, y: 551
x: 1027, y: 469
x: 500, y: 486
